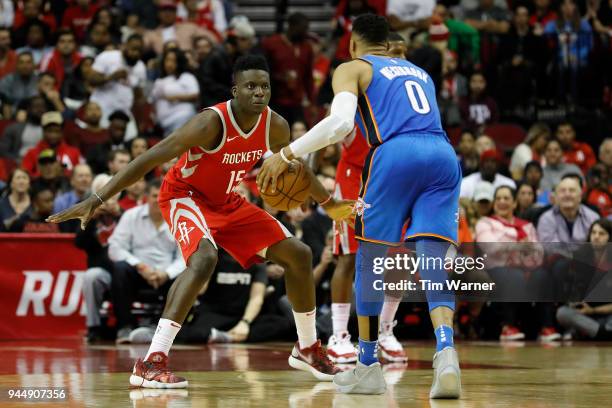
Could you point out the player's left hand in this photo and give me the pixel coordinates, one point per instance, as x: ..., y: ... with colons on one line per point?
x: 272, y: 167
x: 240, y: 332
x: 82, y: 211
x: 340, y: 210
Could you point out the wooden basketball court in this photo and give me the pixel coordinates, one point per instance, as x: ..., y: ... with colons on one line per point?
x: 521, y: 375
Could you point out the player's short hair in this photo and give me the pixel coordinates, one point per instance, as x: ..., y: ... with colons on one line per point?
x: 395, y: 37
x: 249, y: 62
x: 372, y: 28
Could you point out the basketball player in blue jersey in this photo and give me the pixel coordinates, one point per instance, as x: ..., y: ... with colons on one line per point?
x: 411, y: 173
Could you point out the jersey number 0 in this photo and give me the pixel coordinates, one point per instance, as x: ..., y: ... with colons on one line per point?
x: 417, y: 97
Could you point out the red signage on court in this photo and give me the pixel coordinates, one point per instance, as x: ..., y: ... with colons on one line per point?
x: 41, y: 276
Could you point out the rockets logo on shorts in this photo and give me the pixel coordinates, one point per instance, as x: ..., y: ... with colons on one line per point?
x: 184, y: 231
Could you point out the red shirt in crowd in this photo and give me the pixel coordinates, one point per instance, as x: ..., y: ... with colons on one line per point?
x: 542, y: 20
x: 77, y: 19
x: 320, y: 70
x: 602, y: 200
x: 67, y: 155
x: 54, y: 63
x: 48, y: 19
x: 82, y: 138
x: 290, y: 69
x: 9, y: 63
x: 127, y: 202
x: 580, y: 154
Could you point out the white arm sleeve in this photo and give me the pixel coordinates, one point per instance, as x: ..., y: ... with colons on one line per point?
x: 332, y: 129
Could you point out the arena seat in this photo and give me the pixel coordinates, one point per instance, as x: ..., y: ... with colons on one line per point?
x: 506, y: 135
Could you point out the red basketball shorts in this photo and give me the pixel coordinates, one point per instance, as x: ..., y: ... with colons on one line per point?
x: 348, y: 183
x: 244, y: 230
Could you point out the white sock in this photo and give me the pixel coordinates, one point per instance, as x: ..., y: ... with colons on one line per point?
x: 387, y: 315
x: 164, y: 336
x: 340, y: 317
x: 305, y: 324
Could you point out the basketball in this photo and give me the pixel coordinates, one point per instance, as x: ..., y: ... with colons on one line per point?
x: 292, y: 189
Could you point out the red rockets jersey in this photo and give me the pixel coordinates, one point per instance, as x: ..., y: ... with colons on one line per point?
x: 213, y: 174
x: 354, y: 150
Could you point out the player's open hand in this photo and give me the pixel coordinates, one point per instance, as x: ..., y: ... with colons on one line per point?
x: 272, y: 167
x: 340, y: 210
x: 82, y: 211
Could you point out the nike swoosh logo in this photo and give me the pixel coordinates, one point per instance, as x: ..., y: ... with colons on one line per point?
x: 194, y: 157
x: 229, y: 139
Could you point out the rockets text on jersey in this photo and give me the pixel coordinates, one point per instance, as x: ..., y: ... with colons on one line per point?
x: 213, y: 174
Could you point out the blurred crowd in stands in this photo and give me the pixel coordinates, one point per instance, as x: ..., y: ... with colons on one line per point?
x: 524, y: 89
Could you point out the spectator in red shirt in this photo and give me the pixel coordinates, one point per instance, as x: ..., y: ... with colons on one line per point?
x: 78, y: 16
x: 8, y: 57
x: 32, y: 10
x: 575, y: 152
x: 542, y: 15
x: 342, y: 24
x: 598, y: 193
x: 291, y: 59
x: 31, y: 15
x: 134, y: 195
x: 67, y: 155
x: 64, y: 59
x: 87, y: 133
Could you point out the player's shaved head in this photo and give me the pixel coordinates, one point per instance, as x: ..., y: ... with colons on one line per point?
x: 372, y: 29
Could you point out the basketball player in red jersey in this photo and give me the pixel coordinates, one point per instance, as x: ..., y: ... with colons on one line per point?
x: 348, y: 183
x: 217, y: 148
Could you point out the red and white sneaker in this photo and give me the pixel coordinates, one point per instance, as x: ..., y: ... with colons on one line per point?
x: 313, y: 359
x: 341, y: 350
x: 549, y: 334
x: 153, y: 373
x: 390, y: 349
x: 511, y: 333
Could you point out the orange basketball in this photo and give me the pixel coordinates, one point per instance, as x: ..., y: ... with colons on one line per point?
x: 292, y: 189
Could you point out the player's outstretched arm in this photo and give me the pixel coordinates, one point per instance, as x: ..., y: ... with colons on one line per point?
x: 279, y: 138
x: 203, y: 130
x: 348, y: 79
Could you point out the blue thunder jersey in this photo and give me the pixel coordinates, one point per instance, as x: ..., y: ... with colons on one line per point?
x: 401, y: 99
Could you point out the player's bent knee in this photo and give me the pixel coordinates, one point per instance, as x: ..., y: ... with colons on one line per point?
x: 203, y: 261
x: 301, y: 254
x: 291, y: 254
